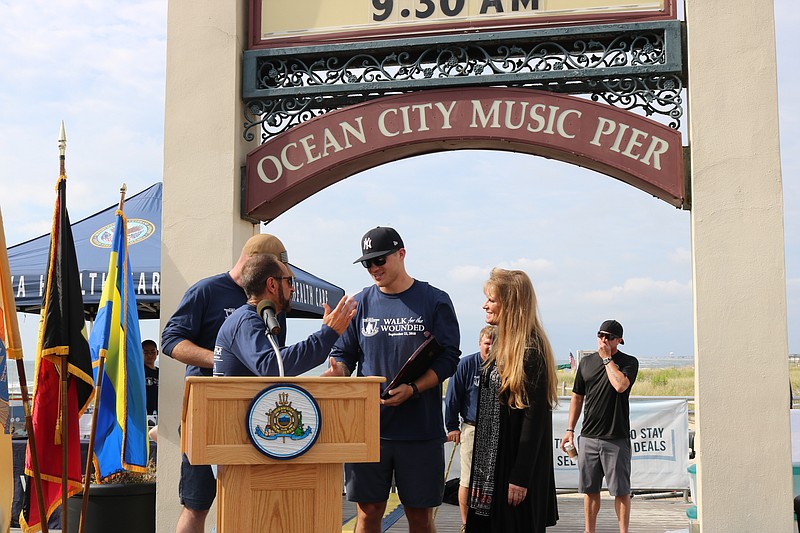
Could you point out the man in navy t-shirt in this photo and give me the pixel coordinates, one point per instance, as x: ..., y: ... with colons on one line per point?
x: 150, y: 351
x: 392, y: 319
x: 242, y: 347
x: 189, y: 337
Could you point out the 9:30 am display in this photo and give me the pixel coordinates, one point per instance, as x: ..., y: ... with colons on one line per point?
x: 447, y: 8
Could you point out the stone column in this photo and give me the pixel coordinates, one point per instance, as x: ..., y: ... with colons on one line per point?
x: 739, y: 279
x: 203, y: 153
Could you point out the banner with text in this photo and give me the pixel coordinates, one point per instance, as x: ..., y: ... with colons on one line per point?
x: 659, y: 437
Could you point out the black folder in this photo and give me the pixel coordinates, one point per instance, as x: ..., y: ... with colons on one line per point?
x: 417, y: 364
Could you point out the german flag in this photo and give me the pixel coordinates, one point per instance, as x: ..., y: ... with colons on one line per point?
x: 62, y: 333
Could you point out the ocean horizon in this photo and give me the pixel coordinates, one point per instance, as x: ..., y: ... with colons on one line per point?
x: 644, y: 362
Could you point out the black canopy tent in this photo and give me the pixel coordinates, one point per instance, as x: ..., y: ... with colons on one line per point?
x: 93, y: 234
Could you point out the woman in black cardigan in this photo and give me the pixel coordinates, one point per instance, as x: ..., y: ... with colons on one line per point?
x: 513, y: 485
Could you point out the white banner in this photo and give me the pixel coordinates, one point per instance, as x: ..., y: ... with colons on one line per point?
x: 659, y: 437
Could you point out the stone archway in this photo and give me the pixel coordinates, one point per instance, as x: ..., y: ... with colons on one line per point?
x: 744, y: 461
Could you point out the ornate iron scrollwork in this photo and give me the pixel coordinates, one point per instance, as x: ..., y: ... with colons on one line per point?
x: 278, y: 115
x: 634, y: 66
x: 659, y: 94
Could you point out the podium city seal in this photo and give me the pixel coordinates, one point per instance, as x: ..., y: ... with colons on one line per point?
x: 283, y: 421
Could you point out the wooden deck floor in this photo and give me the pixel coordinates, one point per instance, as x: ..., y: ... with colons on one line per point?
x: 647, y: 516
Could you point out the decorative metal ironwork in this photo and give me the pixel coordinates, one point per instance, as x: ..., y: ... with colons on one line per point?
x: 633, y: 66
x: 467, y: 60
x: 659, y: 94
x: 278, y: 115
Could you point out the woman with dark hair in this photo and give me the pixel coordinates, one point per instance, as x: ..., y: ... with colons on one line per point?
x: 513, y: 485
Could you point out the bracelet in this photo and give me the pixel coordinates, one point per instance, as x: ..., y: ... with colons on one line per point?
x: 415, y: 389
x: 572, y: 430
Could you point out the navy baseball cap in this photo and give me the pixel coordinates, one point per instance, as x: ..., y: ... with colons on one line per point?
x: 379, y: 241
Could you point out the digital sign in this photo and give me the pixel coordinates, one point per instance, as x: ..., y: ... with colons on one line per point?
x: 278, y: 23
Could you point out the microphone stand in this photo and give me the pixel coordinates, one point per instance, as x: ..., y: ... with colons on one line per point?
x: 278, y: 355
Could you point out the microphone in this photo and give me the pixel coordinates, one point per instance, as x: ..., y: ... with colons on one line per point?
x: 266, y: 310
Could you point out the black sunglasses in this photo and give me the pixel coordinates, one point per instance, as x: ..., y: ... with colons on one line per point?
x: 377, y: 261
x: 608, y: 336
x: 290, y: 279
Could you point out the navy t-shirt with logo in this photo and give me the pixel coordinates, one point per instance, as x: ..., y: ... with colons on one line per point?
x: 386, y: 330
x: 203, y: 309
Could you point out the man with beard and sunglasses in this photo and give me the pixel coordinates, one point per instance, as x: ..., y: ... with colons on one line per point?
x: 604, y: 380
x: 392, y: 320
x: 242, y: 347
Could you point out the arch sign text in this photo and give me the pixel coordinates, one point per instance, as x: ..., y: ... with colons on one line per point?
x: 307, y: 158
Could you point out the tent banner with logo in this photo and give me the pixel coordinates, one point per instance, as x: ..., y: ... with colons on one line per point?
x: 92, y: 235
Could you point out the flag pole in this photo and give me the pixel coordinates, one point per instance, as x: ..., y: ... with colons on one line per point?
x: 64, y: 402
x: 98, y: 384
x: 14, y: 351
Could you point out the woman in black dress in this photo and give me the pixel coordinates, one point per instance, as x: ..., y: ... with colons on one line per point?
x: 513, y: 485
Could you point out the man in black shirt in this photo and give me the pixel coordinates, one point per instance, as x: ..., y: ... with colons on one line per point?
x: 604, y: 381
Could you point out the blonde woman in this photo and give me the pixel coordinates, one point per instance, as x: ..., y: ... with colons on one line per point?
x: 512, y: 485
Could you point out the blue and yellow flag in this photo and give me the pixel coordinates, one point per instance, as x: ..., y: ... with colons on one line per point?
x: 121, y: 440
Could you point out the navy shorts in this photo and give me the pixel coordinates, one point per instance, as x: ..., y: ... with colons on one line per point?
x: 604, y: 457
x: 198, y: 487
x: 418, y: 469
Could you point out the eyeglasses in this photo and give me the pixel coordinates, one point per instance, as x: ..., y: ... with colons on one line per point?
x: 290, y: 279
x: 608, y: 336
x: 377, y: 261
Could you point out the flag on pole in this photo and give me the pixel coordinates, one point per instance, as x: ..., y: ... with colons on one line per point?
x: 9, y: 329
x: 5, y: 407
x: 9, y: 337
x: 121, y: 440
x: 6, y: 454
x: 61, y: 333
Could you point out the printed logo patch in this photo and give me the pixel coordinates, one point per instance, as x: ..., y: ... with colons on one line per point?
x: 138, y: 230
x: 369, y: 327
x: 283, y: 421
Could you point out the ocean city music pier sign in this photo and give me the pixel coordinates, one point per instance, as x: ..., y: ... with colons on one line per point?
x: 313, y: 155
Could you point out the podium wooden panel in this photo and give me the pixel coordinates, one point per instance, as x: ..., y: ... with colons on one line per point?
x: 258, y: 493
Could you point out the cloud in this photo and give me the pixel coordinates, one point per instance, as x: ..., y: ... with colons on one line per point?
x: 681, y: 256
x: 478, y: 274
x: 468, y: 274
x: 640, y: 287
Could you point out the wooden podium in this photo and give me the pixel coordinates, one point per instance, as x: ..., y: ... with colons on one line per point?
x: 258, y: 493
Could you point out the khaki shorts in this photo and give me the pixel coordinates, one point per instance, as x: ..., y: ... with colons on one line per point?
x: 467, y: 443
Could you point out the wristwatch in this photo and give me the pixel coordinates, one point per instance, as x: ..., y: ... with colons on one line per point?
x: 415, y: 389
x: 606, y: 360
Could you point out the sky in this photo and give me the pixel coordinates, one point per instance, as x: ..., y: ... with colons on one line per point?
x: 594, y: 247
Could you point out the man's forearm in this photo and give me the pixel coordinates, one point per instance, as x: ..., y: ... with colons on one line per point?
x: 189, y: 353
x: 618, y: 380
x: 575, y: 406
x: 428, y: 380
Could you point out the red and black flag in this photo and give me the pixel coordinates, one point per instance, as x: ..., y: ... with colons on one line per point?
x: 62, y: 334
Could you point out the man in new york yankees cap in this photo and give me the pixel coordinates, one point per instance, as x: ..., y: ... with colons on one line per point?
x: 392, y: 319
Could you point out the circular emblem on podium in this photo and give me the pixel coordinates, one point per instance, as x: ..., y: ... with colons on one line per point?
x: 283, y: 421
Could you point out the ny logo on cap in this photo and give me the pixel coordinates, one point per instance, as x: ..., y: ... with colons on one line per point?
x: 367, y: 243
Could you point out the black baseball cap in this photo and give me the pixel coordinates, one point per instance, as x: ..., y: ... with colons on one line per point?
x: 379, y: 241
x: 612, y: 327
